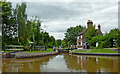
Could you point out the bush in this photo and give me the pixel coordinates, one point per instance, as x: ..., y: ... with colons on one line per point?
x: 26, y: 47
x: 41, y: 42
x: 106, y: 41
x: 50, y: 45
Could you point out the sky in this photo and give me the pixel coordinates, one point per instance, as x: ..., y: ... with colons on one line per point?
x: 58, y: 15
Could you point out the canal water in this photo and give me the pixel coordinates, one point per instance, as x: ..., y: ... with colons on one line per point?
x: 62, y: 63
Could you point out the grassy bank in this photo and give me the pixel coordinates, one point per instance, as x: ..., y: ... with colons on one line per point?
x: 64, y: 48
x: 48, y: 50
x: 97, y: 51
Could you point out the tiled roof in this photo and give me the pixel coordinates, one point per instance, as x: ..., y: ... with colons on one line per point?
x: 83, y: 32
x: 99, y: 32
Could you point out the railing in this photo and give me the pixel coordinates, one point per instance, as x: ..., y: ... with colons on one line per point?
x: 14, y: 47
x: 40, y: 48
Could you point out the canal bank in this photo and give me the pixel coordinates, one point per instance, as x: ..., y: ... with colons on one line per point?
x: 30, y: 54
x: 101, y: 54
x: 21, y: 55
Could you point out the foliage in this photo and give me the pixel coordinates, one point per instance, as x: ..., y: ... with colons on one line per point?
x: 58, y: 42
x: 8, y: 24
x: 63, y: 44
x: 115, y: 34
x: 91, y: 32
x: 72, y: 33
x: 18, y: 30
x: 106, y: 41
x: 50, y: 45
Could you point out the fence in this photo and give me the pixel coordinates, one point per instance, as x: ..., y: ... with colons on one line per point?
x: 14, y: 47
x: 40, y: 48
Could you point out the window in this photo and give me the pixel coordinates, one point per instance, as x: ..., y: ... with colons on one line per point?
x: 81, y: 42
x: 81, y: 36
x: 78, y: 37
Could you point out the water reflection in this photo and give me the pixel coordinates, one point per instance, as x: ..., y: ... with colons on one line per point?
x: 62, y: 63
x: 92, y: 63
x: 24, y: 65
x: 0, y: 62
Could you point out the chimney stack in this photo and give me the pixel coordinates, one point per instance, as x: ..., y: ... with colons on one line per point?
x: 88, y: 23
x: 99, y: 27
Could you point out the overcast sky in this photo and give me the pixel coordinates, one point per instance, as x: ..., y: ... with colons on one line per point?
x: 58, y: 16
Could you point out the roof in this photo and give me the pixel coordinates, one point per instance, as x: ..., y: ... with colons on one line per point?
x: 99, y: 32
x: 83, y: 32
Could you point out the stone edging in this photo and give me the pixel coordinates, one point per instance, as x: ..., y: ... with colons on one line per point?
x: 103, y: 54
x: 33, y: 55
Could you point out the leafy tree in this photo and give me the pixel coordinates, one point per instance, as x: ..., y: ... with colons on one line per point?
x: 63, y: 43
x: 106, y: 41
x: 71, y: 34
x: 91, y: 32
x: 58, y: 42
x: 52, y: 40
x: 21, y: 20
x: 17, y: 29
x: 9, y: 27
x: 115, y: 34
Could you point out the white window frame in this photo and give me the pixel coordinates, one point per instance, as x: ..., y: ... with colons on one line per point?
x: 81, y: 36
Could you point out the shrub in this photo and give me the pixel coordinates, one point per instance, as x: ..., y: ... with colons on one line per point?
x: 50, y: 45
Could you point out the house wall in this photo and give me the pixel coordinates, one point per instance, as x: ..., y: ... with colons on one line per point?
x: 79, y: 41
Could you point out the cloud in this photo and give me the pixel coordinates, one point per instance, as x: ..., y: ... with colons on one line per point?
x: 46, y: 11
x: 58, y: 16
x: 63, y: 0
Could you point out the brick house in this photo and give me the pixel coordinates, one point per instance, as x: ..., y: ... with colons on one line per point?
x: 81, y: 43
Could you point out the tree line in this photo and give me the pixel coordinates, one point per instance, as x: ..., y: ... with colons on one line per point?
x: 17, y: 29
x: 109, y: 40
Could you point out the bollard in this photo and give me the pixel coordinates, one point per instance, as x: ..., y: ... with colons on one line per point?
x: 70, y: 51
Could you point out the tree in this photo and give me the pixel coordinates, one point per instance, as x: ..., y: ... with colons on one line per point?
x: 63, y: 43
x: 91, y: 32
x: 58, y: 42
x: 17, y: 29
x: 9, y: 27
x: 52, y: 40
x: 21, y: 21
x: 71, y: 34
x: 115, y: 34
x: 106, y: 41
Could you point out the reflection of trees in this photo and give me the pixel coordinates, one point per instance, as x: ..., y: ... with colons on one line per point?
x: 0, y: 64
x: 92, y: 64
x: 24, y: 65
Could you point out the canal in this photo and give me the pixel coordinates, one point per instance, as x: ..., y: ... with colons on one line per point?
x: 62, y: 63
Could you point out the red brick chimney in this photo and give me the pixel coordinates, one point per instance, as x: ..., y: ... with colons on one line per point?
x: 89, y: 22
x: 99, y: 28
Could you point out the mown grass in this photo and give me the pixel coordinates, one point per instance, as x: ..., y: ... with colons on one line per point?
x: 48, y: 50
x: 97, y: 51
x: 64, y: 48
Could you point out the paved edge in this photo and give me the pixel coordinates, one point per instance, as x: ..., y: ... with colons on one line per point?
x: 33, y: 56
x: 103, y: 54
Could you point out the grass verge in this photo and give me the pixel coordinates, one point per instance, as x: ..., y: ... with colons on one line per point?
x: 97, y: 51
x: 48, y: 50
